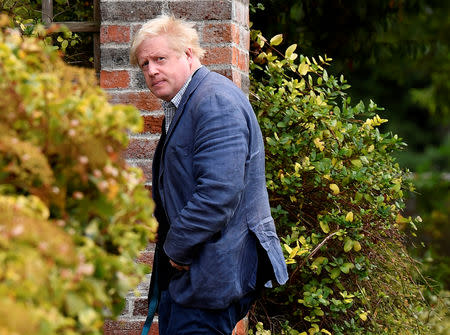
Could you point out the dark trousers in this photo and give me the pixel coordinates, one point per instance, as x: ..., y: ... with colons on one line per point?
x: 175, y: 319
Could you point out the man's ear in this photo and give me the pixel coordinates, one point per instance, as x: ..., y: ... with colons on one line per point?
x: 189, y: 53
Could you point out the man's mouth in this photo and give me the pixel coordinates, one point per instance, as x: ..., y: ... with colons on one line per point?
x: 157, y: 83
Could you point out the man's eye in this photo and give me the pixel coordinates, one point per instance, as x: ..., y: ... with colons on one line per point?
x: 160, y: 59
x: 144, y: 64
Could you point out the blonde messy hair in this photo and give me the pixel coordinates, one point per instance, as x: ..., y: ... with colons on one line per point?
x: 182, y: 36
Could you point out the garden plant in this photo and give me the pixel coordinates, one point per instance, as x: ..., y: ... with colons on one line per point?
x: 73, y: 215
x: 337, y: 196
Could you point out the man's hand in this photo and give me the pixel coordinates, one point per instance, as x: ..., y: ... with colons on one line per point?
x: 178, y: 266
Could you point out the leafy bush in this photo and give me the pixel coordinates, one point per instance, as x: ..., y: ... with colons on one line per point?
x: 338, y: 197
x: 73, y: 216
x: 76, y: 48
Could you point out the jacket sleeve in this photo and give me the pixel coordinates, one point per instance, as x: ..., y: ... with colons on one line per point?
x: 220, y: 149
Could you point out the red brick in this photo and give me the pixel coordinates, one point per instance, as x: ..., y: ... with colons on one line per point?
x: 201, y: 10
x: 114, y: 79
x: 218, y: 55
x: 237, y: 78
x: 129, y: 11
x: 226, y: 72
x: 140, y: 148
x: 235, y: 60
x: 243, y: 61
x: 134, y: 30
x: 140, y: 307
x: 220, y: 33
x: 241, y: 13
x: 153, y: 123
x: 244, y: 36
x: 142, y: 100
x: 117, y: 34
x: 127, y: 328
x: 146, y: 257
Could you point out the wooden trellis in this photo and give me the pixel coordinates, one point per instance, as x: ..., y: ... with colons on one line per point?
x: 78, y: 27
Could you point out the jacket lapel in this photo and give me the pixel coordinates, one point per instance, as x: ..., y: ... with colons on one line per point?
x: 195, y: 81
x: 197, y: 78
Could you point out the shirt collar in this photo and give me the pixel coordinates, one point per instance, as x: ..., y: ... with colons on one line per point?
x: 177, y: 98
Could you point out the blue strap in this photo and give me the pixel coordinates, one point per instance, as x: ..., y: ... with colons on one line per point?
x: 153, y: 296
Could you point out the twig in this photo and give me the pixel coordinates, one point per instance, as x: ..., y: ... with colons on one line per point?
x: 314, y: 252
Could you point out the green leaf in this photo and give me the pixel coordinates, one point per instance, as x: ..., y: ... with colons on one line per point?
x: 335, y: 273
x: 325, y: 227
x: 318, y: 261
x: 346, y: 267
x: 348, y: 245
x: 357, y: 163
x: 74, y: 304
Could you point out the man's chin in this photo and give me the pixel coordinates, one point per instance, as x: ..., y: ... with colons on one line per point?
x: 159, y: 95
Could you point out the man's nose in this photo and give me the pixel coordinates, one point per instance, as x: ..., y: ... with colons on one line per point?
x: 152, y: 69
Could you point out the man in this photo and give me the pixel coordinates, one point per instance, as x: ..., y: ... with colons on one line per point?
x: 217, y: 243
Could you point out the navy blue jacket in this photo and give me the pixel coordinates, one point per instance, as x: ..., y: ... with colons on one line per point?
x: 209, y: 179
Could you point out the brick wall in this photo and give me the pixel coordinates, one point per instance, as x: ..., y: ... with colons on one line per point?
x: 224, y: 34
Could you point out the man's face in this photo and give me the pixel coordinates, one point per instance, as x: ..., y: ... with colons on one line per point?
x: 165, y: 70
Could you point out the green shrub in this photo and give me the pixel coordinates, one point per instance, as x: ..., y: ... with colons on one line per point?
x: 338, y: 197
x: 76, y: 48
x: 74, y: 216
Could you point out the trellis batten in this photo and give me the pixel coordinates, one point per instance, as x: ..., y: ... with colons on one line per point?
x: 78, y: 27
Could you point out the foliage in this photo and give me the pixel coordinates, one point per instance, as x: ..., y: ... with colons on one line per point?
x: 76, y: 48
x: 434, y: 191
x: 393, y: 41
x: 74, y: 216
x: 338, y: 197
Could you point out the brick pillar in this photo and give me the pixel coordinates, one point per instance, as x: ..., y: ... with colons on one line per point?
x: 223, y: 27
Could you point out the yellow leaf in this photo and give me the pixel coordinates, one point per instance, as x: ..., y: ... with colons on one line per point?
x: 325, y: 331
x: 349, y: 217
x: 303, y: 68
x: 319, y: 144
x: 293, y: 253
x: 335, y: 189
x: 261, y: 57
x: 356, y: 246
x: 260, y: 40
x: 363, y: 316
x: 325, y: 227
x: 302, y: 240
x: 301, y: 252
x: 290, y: 51
x: 276, y: 40
x: 288, y: 248
x: 400, y: 219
